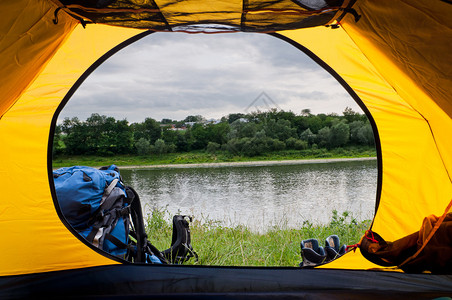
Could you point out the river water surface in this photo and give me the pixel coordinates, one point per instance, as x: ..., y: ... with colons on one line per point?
x: 260, y: 197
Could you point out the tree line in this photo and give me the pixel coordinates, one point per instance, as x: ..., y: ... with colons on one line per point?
x: 247, y: 134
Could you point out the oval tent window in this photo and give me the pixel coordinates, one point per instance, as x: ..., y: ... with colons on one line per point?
x: 243, y: 132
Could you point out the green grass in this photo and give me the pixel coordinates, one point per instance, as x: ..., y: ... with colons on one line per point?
x: 238, y: 246
x: 203, y: 157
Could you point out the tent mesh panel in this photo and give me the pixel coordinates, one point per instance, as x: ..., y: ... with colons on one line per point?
x: 206, y: 16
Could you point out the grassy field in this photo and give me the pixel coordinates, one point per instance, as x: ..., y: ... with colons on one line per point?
x: 238, y: 246
x: 203, y: 157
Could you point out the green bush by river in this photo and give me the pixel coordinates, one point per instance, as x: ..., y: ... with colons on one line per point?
x: 238, y: 246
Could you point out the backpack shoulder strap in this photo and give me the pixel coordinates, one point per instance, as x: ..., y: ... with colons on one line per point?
x: 143, y: 245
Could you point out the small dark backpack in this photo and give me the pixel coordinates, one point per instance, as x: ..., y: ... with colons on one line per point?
x: 181, y: 249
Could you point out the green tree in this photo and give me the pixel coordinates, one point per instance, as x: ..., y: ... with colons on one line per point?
x: 233, y: 146
x: 315, y: 123
x: 280, y: 129
x: 308, y: 136
x: 143, y: 146
x: 199, y: 137
x: 285, y: 115
x: 181, y: 143
x: 248, y: 130
x: 351, y: 115
x: 152, y: 129
x: 75, y: 136
x: 160, y: 147
x: 301, y: 145
x: 300, y: 123
x: 234, y: 117
x: 249, y: 147
x: 306, y: 112
x: 275, y: 144
x: 366, y: 135
x: 197, y: 118
x: 149, y: 129
x: 324, y: 137
x: 290, y: 143
x: 355, y: 126
x: 107, y: 136
x: 340, y: 134
x: 235, y: 129
x: 169, y: 136
x: 96, y: 137
x: 121, y: 137
x: 58, y: 144
x: 213, y: 147
x: 218, y: 133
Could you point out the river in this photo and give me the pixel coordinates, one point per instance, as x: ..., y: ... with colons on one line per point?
x: 260, y: 196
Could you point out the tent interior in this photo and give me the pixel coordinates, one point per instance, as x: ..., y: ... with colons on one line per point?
x: 391, y: 56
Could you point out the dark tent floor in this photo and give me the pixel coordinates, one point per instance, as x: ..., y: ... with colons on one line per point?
x: 191, y: 282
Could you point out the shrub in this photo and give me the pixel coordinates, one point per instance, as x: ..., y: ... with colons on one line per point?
x: 213, y: 147
x: 290, y: 143
x: 301, y: 145
x: 160, y: 146
x: 340, y: 134
x: 143, y: 146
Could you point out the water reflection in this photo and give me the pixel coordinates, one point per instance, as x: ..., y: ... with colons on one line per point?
x: 260, y: 197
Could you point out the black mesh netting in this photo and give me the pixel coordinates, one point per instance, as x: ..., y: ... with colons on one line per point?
x: 205, y: 16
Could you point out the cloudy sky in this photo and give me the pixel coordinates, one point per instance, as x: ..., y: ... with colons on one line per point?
x: 173, y: 75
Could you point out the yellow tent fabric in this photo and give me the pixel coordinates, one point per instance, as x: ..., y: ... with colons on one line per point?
x: 27, y: 211
x: 395, y: 58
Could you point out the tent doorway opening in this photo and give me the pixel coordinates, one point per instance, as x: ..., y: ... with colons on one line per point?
x: 227, y: 98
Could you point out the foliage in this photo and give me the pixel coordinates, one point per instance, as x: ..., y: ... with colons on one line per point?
x: 340, y: 134
x: 308, y: 136
x: 150, y: 129
x: 196, y: 118
x: 143, y: 146
x: 213, y: 147
x: 98, y: 135
x: 290, y: 143
x: 301, y: 145
x: 366, y: 135
x: 160, y: 147
x: 323, y: 137
x: 355, y: 127
x: 352, y: 116
x: 249, y: 135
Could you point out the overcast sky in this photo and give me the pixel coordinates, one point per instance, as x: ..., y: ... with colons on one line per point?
x: 173, y: 75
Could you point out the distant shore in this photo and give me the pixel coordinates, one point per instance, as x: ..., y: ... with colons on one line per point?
x: 200, y: 159
x: 249, y: 163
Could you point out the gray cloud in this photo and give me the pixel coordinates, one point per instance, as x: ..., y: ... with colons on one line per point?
x: 172, y: 75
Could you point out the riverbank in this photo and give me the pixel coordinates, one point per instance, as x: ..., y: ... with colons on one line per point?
x: 215, y: 159
x: 251, y: 163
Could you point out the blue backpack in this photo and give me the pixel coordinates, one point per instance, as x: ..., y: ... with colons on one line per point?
x: 103, y: 210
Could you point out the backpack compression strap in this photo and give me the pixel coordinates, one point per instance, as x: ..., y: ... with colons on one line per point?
x: 107, y: 217
x: 108, y: 190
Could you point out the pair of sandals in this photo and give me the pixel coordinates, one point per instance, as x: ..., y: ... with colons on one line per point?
x: 313, y: 254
